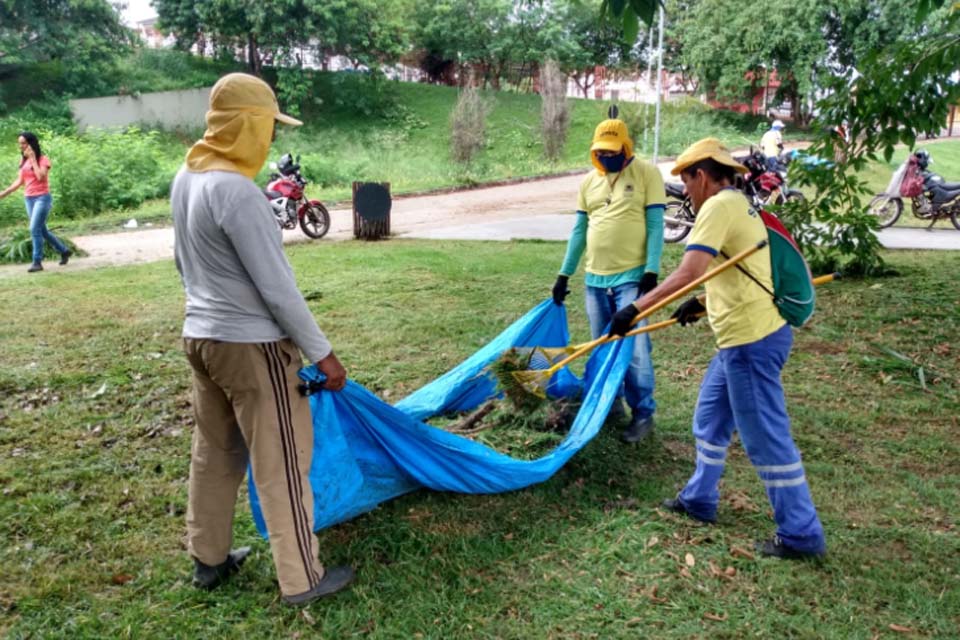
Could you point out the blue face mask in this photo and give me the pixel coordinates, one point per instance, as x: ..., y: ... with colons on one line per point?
x: 612, y: 164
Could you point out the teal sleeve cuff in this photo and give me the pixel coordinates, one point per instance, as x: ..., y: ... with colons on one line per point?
x: 576, y: 245
x: 654, y: 237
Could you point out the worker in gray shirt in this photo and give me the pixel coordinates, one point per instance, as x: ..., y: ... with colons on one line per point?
x: 245, y: 328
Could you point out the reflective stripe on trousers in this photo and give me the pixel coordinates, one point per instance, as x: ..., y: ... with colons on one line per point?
x: 742, y: 391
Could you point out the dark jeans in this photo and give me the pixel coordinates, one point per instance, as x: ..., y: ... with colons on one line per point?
x: 38, y: 208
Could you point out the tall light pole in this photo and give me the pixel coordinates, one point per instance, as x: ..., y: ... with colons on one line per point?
x: 656, y: 125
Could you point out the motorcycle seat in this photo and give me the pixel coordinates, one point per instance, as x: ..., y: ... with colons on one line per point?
x: 949, y: 186
x: 942, y: 194
x: 272, y: 195
x: 674, y: 190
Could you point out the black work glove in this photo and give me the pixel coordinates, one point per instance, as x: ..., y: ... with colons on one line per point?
x: 687, y: 313
x: 623, y: 320
x: 648, y: 282
x: 560, y: 290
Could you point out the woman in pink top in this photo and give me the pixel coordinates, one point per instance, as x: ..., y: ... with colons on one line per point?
x: 33, y: 176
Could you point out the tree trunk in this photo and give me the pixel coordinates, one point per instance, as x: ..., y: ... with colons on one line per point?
x: 585, y: 85
x: 796, y: 108
x: 253, y: 55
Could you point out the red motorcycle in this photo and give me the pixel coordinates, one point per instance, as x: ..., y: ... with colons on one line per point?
x: 764, y: 186
x: 761, y: 186
x: 285, y: 192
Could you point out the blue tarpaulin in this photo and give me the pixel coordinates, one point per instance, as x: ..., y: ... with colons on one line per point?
x: 367, y: 451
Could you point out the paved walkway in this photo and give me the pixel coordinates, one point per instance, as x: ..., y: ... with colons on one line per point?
x: 558, y: 226
x: 538, y: 209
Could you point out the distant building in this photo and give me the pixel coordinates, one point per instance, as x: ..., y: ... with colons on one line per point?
x: 151, y: 36
x: 762, y: 100
x: 604, y: 84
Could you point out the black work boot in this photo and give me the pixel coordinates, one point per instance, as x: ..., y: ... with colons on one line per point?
x: 335, y: 579
x: 207, y: 577
x: 674, y: 504
x: 638, y: 429
x: 36, y: 266
x: 65, y: 257
x: 774, y: 548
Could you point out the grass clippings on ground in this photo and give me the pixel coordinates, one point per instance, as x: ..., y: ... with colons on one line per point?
x: 95, y: 427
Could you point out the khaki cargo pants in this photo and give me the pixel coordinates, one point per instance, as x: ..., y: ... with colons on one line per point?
x: 247, y: 408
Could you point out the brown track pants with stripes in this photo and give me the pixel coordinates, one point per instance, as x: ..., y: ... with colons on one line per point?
x: 247, y: 407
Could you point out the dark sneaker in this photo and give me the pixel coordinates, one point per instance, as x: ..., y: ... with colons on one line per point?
x: 774, y: 548
x: 36, y: 266
x: 65, y: 257
x: 207, y: 577
x: 335, y: 579
x: 639, y: 429
x: 674, y: 504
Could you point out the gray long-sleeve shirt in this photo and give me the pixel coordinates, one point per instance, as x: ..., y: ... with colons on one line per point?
x: 229, y: 251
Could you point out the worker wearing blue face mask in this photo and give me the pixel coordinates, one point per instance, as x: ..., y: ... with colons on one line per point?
x: 620, y: 229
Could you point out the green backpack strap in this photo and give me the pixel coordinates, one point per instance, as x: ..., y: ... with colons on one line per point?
x: 793, y: 290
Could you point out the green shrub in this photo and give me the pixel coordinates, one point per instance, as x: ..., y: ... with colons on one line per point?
x: 17, y: 247
x: 367, y: 93
x: 468, y: 125
x: 50, y: 114
x: 150, y: 70
x: 325, y: 171
x: 100, y: 171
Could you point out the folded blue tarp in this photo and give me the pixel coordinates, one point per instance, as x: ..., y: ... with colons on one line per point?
x: 366, y: 451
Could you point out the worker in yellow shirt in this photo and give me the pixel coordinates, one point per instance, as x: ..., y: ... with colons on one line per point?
x: 620, y: 229
x: 741, y: 389
x: 771, y: 144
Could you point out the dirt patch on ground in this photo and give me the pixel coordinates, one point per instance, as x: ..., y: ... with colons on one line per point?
x: 821, y: 347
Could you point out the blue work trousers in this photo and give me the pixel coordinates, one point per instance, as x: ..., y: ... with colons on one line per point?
x: 602, y: 303
x: 742, y: 391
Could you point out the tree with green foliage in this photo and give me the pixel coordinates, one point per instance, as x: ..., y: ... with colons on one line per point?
x: 367, y: 32
x: 888, y: 70
x: 85, y: 36
x: 896, y: 93
x: 735, y: 55
x: 33, y: 32
x: 264, y: 31
x: 585, y: 43
x: 805, y: 42
x: 462, y: 34
x: 506, y: 40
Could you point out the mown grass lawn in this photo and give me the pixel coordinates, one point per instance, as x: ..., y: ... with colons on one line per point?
x: 95, y: 427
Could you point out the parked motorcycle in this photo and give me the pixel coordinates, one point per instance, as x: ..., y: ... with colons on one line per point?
x: 931, y: 197
x: 762, y: 187
x: 285, y: 192
x: 678, y: 215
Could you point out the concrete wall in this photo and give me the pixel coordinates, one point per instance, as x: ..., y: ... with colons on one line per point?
x: 169, y: 109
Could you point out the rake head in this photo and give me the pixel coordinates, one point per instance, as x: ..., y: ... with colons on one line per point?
x: 531, y: 382
x: 515, y: 367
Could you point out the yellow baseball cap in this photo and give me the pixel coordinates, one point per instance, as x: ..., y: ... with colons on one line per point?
x: 611, y: 135
x: 703, y: 149
x: 243, y: 92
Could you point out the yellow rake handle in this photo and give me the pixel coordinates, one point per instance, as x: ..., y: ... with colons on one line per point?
x: 830, y: 277
x: 679, y: 293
